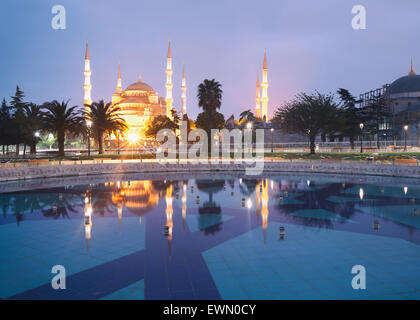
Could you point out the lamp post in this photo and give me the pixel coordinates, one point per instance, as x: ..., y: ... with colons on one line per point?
x: 89, y: 125
x: 272, y: 142
x: 361, y: 137
x: 118, y: 141
x: 249, y: 127
x: 405, y: 137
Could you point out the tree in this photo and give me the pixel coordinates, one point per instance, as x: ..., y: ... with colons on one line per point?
x: 307, y: 114
x: 33, y: 123
x: 203, y: 121
x: 105, y: 118
x: 210, y: 98
x: 5, y: 125
x: 61, y: 120
x: 159, y: 123
x: 17, y: 105
x: 350, y: 114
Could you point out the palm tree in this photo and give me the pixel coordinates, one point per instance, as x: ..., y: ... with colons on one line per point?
x: 33, y: 122
x: 210, y: 97
x: 61, y: 120
x: 105, y: 118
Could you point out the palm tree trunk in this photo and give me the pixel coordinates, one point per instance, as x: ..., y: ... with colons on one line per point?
x: 312, y: 144
x: 33, y: 148
x: 17, y: 149
x: 100, y: 142
x: 24, y: 150
x: 60, y: 140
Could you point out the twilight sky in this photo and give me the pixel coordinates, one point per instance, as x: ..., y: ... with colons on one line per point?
x: 310, y: 45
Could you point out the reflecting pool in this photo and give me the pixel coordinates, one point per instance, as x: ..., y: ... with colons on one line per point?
x: 210, y: 236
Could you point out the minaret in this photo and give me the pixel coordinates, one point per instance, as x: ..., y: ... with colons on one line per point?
x: 258, y: 99
x: 169, y: 100
x: 183, y: 92
x: 264, y: 87
x: 87, y: 86
x: 119, y: 81
x: 412, y: 73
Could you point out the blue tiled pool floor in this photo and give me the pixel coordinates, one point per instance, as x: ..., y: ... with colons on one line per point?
x: 212, y: 238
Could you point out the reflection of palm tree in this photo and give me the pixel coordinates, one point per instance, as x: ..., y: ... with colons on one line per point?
x: 247, y: 187
x: 102, y: 201
x: 59, y: 207
x: 210, y: 187
x: 210, y: 207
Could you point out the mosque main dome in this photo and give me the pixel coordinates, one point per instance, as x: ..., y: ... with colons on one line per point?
x: 138, y: 104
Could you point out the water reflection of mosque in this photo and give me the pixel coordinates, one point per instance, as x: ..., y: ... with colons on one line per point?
x: 139, y: 197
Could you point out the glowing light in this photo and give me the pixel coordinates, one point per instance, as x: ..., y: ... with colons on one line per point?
x: 361, y: 193
x: 308, y: 182
x: 89, y: 123
x: 405, y: 190
x: 37, y: 134
x: 133, y: 137
x: 86, y: 199
x: 272, y: 184
x: 88, y: 212
x: 249, y: 203
x: 249, y: 125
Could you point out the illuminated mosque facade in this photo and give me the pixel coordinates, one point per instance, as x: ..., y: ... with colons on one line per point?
x: 139, y: 102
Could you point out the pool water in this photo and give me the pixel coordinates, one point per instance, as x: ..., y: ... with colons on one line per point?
x: 210, y: 236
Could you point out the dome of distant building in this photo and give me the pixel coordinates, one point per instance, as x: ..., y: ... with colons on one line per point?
x: 406, y: 87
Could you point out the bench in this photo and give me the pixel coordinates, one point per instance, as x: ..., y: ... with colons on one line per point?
x: 406, y: 161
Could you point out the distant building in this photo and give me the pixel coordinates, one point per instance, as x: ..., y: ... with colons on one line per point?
x: 403, y: 103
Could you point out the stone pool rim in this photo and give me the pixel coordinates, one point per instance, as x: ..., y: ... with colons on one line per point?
x: 54, y: 171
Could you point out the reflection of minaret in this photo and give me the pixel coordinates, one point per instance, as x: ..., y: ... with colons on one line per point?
x: 264, y: 87
x: 119, y: 208
x: 183, y: 92
x: 87, y: 72
x: 169, y: 100
x: 258, y: 200
x: 184, y: 203
x: 169, y: 212
x: 258, y: 99
x: 88, y: 222
x: 264, y: 209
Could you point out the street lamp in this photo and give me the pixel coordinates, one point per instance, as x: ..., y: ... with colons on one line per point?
x: 361, y: 137
x: 89, y: 125
x: 37, y: 134
x: 118, y: 141
x: 272, y: 145
x: 405, y: 137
